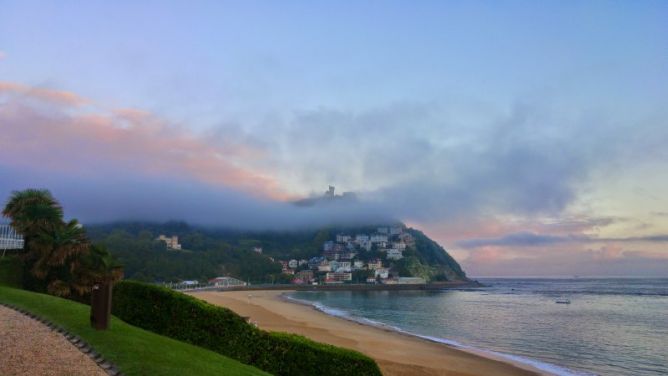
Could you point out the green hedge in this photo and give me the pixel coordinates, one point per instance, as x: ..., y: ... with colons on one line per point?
x: 188, y: 319
x: 11, y: 271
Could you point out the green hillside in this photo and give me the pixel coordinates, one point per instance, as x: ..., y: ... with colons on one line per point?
x: 207, y: 252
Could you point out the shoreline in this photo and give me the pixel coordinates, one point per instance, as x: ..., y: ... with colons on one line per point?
x: 397, y: 353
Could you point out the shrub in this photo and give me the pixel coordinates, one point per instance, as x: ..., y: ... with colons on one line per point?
x: 191, y: 320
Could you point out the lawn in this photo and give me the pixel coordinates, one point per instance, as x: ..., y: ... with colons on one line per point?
x: 133, y: 350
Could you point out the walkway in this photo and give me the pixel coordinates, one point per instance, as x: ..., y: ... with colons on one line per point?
x: 28, y: 347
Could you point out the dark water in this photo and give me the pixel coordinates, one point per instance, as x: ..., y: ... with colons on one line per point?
x: 611, y: 327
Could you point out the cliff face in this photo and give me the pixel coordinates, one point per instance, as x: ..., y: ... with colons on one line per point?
x: 433, y: 262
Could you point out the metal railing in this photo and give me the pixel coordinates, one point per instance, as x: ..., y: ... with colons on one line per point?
x: 9, y: 239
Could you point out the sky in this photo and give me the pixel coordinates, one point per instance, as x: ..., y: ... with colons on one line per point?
x: 528, y: 138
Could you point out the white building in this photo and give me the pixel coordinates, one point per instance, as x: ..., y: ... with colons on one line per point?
x: 366, y: 245
x: 377, y: 238
x: 340, y: 238
x: 226, y: 282
x: 293, y: 264
x: 399, y: 245
x: 383, y: 273
x: 360, y: 238
x: 324, y: 268
x: 396, y: 230
x: 257, y: 249
x: 172, y: 242
x: 338, y: 277
x: 394, y: 254
x: 333, y: 265
x: 344, y: 266
x: 328, y: 246
x: 358, y: 264
x: 382, y: 230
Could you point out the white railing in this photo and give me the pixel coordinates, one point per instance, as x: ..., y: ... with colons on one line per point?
x: 9, y: 239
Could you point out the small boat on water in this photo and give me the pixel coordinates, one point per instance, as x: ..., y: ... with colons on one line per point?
x: 563, y: 301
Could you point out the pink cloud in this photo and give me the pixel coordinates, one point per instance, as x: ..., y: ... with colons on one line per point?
x: 48, y: 95
x: 117, y: 141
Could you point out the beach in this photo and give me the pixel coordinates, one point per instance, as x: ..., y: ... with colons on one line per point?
x: 397, y: 354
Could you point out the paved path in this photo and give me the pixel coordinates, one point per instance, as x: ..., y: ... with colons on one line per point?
x: 28, y: 347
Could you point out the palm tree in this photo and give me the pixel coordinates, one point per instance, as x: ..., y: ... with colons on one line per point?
x: 31, y: 211
x: 57, y: 253
x: 57, y: 256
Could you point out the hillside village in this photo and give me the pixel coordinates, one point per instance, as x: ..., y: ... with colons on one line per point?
x: 358, y: 258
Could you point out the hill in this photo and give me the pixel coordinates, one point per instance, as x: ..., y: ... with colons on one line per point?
x: 261, y: 257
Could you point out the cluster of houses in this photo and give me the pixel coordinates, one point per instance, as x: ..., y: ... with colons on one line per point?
x: 341, y: 257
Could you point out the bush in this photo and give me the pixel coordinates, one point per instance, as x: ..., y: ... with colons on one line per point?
x: 191, y: 320
x: 11, y: 271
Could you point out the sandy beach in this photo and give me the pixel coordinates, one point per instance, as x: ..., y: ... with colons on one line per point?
x: 397, y: 354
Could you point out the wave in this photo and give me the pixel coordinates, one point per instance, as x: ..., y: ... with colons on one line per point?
x: 536, y: 364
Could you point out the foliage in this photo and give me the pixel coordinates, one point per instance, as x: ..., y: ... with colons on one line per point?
x: 57, y: 254
x: 213, y: 252
x: 11, y: 271
x: 135, y: 351
x: 191, y: 320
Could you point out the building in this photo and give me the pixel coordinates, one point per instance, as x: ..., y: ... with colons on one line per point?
x: 172, y: 242
x: 359, y: 238
x: 334, y: 277
x: 340, y: 238
x: 303, y: 262
x: 226, y: 282
x: 257, y: 249
x: 407, y: 239
x: 358, y: 265
x: 377, y: 238
x: 396, y: 230
x: 394, y: 254
x: 344, y: 266
x: 371, y: 280
x: 383, y: 230
x: 328, y: 245
x: 382, y: 273
x: 293, y: 264
x: 324, y: 267
x: 333, y: 265
x: 374, y: 264
x: 347, y: 255
x: 305, y: 275
x: 399, y: 245
x: 366, y: 245
x: 411, y: 281
x: 314, y: 262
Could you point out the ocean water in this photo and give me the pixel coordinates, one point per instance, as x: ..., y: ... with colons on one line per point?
x: 611, y: 327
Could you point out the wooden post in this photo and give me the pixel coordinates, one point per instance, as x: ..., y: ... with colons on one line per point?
x: 100, y: 306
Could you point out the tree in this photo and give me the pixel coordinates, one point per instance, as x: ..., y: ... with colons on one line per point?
x: 57, y: 254
x: 31, y: 211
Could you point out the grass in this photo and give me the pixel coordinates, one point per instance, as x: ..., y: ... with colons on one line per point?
x: 10, y: 271
x: 134, y: 351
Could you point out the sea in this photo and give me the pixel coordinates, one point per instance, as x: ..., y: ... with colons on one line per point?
x: 612, y: 326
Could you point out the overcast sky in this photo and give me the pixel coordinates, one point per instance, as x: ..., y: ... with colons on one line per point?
x: 528, y: 138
